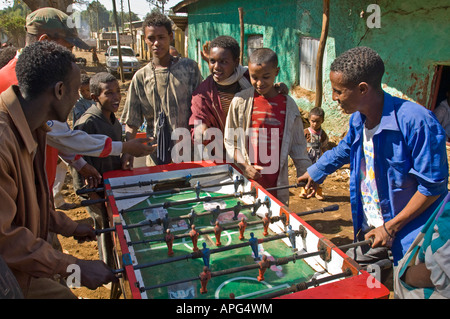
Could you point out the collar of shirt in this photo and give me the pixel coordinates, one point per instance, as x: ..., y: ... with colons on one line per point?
x: 388, y: 118
x: 14, y: 109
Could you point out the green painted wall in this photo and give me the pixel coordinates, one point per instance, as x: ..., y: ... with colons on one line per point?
x: 412, y: 39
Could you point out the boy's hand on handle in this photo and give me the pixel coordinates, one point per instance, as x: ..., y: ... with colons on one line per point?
x: 253, y: 171
x: 95, y: 273
x: 310, y: 184
x: 91, y: 175
x: 380, y: 236
x: 84, y: 232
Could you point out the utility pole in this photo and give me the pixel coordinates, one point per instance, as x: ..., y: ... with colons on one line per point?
x: 118, y: 41
x: 131, y: 27
x: 241, y: 24
x: 320, y: 52
x: 98, y: 18
x: 122, y: 20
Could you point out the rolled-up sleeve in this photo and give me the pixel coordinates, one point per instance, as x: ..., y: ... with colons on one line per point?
x: 429, y: 156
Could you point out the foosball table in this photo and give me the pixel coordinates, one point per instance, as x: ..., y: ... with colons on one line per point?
x: 203, y: 231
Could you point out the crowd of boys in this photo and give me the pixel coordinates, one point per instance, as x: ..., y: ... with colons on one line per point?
x: 396, y: 148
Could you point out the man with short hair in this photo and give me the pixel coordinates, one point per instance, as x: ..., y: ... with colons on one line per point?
x: 397, y: 155
x: 160, y: 92
x: 48, y: 87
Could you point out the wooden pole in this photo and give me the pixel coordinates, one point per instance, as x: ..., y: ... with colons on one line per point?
x: 118, y: 41
x: 241, y: 23
x: 133, y: 44
x: 320, y: 52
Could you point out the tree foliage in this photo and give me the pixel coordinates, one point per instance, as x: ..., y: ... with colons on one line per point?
x: 94, y: 18
x: 12, y: 22
x: 58, y: 4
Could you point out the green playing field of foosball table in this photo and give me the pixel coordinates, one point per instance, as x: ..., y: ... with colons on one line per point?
x: 175, y: 272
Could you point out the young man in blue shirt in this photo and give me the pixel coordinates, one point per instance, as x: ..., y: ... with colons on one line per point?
x: 397, y: 155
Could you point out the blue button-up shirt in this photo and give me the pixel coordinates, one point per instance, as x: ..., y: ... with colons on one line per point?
x: 410, y: 155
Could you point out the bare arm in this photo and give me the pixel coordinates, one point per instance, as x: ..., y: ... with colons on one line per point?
x: 384, y: 235
x: 250, y: 171
x: 418, y: 276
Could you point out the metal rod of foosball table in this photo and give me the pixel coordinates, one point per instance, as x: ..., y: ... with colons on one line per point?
x: 151, y: 182
x: 198, y: 254
x: 201, y: 232
x: 163, y: 192
x: 302, y: 184
x: 319, y: 210
x: 356, y: 244
x: 160, y: 221
x: 191, y: 201
x: 276, y: 262
x: 213, y: 274
x: 204, y: 232
x: 305, y: 285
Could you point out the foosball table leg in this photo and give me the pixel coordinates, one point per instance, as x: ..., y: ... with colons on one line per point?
x: 116, y: 292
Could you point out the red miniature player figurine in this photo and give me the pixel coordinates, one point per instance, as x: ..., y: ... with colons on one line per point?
x: 266, y: 222
x: 242, y: 226
x: 205, y: 276
x: 194, y: 237
x: 169, y: 237
x: 218, y: 231
x: 263, y: 265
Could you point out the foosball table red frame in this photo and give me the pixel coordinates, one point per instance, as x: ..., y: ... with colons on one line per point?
x: 354, y: 286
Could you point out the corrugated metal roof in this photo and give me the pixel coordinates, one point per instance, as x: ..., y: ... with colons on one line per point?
x: 182, y: 7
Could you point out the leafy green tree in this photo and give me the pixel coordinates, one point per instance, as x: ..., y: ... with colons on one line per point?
x: 12, y: 22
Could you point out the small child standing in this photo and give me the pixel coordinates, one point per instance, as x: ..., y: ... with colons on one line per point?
x: 100, y: 119
x: 85, y: 101
x: 273, y: 123
x: 317, y: 144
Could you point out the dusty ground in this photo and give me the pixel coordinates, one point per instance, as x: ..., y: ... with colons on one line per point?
x: 336, y: 226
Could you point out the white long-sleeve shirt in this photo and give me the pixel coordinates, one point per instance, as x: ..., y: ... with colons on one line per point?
x: 72, y: 144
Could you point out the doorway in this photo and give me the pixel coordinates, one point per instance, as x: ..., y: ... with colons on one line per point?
x: 441, y: 84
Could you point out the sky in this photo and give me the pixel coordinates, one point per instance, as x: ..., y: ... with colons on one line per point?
x: 140, y: 7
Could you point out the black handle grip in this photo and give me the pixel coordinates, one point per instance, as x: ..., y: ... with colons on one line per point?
x: 320, y: 210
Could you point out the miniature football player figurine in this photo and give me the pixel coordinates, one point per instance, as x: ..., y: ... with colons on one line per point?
x: 166, y: 222
x: 169, y: 237
x: 266, y: 222
x: 256, y: 206
x: 291, y: 235
x: 263, y: 265
x: 198, y: 189
x: 192, y: 216
x: 236, y: 210
x: 218, y: 232
x: 215, y: 213
x: 194, y: 237
x: 254, y: 244
x: 205, y: 276
x: 205, y: 255
x: 242, y: 225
